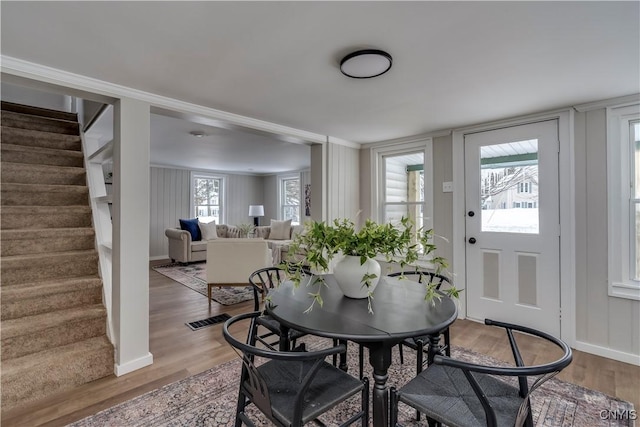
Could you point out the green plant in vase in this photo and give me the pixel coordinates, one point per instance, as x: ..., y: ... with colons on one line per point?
x: 358, y: 272
x: 246, y: 229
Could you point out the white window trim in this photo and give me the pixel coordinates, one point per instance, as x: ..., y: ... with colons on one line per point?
x: 282, y: 178
x: 377, y: 183
x: 619, y: 228
x: 223, y: 188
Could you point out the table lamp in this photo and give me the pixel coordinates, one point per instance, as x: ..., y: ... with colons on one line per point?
x: 256, y: 211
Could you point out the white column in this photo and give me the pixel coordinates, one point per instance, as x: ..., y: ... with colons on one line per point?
x: 131, y: 187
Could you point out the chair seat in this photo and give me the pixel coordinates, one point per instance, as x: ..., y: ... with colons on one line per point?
x: 444, y: 394
x: 329, y: 387
x: 274, y: 326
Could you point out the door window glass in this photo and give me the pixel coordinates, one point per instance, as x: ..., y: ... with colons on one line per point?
x: 509, y: 187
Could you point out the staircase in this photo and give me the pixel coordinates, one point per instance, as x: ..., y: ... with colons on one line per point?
x: 52, y: 317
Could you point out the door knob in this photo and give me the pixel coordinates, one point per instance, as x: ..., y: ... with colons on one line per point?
x: 471, y: 213
x: 472, y: 240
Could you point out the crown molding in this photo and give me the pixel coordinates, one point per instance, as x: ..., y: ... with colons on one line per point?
x: 42, y: 73
x: 610, y: 102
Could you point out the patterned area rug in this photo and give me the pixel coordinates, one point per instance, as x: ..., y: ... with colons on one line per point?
x: 209, y: 399
x: 193, y: 276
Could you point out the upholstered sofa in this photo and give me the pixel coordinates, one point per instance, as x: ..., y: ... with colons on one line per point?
x: 182, y: 248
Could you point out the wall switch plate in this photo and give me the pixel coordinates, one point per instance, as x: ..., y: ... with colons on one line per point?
x: 447, y: 187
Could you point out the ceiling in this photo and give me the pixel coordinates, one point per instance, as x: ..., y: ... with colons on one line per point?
x: 454, y: 63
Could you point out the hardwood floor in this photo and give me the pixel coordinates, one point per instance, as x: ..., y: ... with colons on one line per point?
x: 179, y: 352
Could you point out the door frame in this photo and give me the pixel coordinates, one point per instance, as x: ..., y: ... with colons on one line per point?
x: 566, y: 179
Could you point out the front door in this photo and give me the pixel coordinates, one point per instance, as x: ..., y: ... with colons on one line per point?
x: 513, y: 226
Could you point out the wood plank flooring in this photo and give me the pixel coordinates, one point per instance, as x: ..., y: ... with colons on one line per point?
x: 179, y: 353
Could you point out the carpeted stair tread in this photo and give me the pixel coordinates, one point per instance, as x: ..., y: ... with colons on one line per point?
x: 45, y: 124
x: 38, y: 375
x: 12, y: 328
x: 42, y: 240
x: 39, y: 155
x: 32, y: 334
x: 36, y: 138
x: 29, y: 299
x: 37, y: 267
x: 38, y: 111
x: 24, y: 173
x: 43, y: 288
x: 15, y: 194
x: 32, y: 217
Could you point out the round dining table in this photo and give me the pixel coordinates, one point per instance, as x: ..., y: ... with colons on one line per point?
x: 399, y: 311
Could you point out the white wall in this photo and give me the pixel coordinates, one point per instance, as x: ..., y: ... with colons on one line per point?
x: 35, y: 98
x: 604, y: 324
x: 343, y: 186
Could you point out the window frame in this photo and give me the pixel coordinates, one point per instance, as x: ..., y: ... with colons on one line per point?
x: 281, y: 202
x: 378, y: 155
x: 222, y: 198
x: 619, y: 177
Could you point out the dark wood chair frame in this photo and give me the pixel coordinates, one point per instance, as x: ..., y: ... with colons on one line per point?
x: 301, y: 364
x: 524, y: 417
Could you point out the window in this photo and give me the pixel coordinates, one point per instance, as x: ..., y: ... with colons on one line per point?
x: 623, y: 185
x: 403, y: 183
x: 207, y: 193
x: 290, y: 199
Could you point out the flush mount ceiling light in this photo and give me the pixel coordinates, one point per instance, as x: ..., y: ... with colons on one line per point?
x: 364, y: 64
x: 197, y: 133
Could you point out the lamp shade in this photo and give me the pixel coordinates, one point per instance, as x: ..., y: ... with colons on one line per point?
x: 256, y: 210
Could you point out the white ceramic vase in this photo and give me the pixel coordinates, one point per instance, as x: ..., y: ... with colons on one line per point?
x: 348, y: 273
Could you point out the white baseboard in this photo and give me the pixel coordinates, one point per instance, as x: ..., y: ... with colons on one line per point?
x: 133, y: 365
x: 159, y: 257
x: 609, y: 353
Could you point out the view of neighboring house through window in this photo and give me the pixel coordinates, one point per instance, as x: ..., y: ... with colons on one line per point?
x: 290, y: 199
x: 404, y: 188
x: 207, y: 198
x: 509, y: 187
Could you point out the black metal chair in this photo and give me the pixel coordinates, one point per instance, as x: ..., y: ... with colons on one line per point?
x: 262, y: 280
x: 462, y: 394
x: 419, y: 344
x: 294, y: 387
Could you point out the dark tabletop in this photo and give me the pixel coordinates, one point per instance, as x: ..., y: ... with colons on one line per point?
x: 399, y: 311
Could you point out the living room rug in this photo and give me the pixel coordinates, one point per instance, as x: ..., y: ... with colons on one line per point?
x: 209, y: 399
x: 193, y: 276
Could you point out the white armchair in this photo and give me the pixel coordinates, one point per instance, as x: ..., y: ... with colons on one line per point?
x: 230, y: 262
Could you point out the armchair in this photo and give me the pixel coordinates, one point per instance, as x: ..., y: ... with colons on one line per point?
x: 462, y: 394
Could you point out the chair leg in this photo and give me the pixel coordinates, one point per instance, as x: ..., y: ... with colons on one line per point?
x: 361, y: 359
x: 447, y: 343
x: 393, y: 406
x: 401, y: 353
x: 209, y: 285
x: 419, y: 362
x: 242, y: 403
x: 365, y: 403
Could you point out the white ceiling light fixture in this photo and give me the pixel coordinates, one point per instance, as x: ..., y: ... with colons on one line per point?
x: 197, y: 133
x: 366, y: 63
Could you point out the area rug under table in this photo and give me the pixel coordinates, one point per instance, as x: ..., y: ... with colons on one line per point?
x: 194, y: 277
x: 209, y: 399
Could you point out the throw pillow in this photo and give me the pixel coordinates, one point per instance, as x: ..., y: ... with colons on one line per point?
x: 191, y: 225
x: 208, y: 230
x: 280, y: 230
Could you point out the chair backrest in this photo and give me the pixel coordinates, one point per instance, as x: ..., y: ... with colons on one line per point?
x: 251, y: 378
x: 543, y: 371
x: 264, y: 279
x: 231, y: 261
x: 423, y: 276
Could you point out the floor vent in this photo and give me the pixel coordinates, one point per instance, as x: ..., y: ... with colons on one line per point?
x: 199, y: 324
